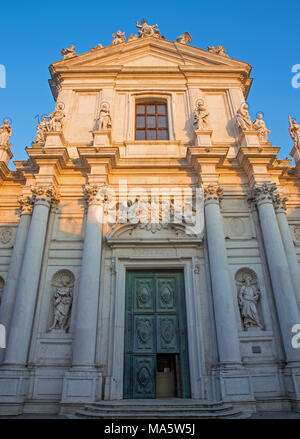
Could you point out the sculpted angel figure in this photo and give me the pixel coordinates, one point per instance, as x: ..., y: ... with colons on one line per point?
x: 56, y: 118
x: 260, y: 126
x: 62, y: 305
x: 68, y: 53
x: 243, y: 118
x: 119, y: 37
x: 200, y: 116
x: 42, y: 127
x: 147, y: 30
x: 219, y: 50
x: 184, y: 38
x: 105, y: 118
x: 5, y: 133
x: 294, y: 130
x: 248, y: 297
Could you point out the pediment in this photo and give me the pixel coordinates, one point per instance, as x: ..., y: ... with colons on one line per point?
x: 149, y: 52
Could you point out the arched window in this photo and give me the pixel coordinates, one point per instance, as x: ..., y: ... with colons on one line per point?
x: 151, y: 120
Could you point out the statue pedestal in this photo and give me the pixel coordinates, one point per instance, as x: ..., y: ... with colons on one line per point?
x: 102, y: 138
x: 5, y: 153
x: 202, y: 137
x: 249, y: 138
x: 54, y: 139
x: 295, y: 153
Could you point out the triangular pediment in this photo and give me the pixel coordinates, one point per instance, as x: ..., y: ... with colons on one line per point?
x: 150, y: 52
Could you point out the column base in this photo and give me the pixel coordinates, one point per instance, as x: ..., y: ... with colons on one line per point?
x: 5, y: 153
x: 13, y: 389
x: 54, y: 139
x: 235, y: 383
x: 102, y: 138
x: 249, y: 138
x: 81, y: 386
x: 202, y: 138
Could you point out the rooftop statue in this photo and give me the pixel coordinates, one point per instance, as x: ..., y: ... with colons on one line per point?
x: 5, y: 133
x: 41, y: 129
x: 133, y: 37
x: 119, y: 37
x: 294, y: 130
x: 99, y: 46
x: 56, y: 118
x: 147, y: 30
x: 242, y: 117
x: 219, y: 50
x: 184, y: 38
x: 68, y: 53
x: 260, y: 126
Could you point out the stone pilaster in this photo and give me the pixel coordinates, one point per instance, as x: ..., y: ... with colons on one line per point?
x: 82, y: 383
x: 234, y: 381
x: 10, y: 289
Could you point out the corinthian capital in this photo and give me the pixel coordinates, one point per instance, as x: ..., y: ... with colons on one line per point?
x: 213, y: 192
x: 279, y: 202
x: 45, y: 193
x: 264, y: 192
x: 93, y: 193
x: 26, y: 205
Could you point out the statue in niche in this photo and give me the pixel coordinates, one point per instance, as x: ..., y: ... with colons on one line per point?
x: 68, y: 53
x: 41, y: 130
x: 184, y: 38
x: 5, y: 133
x: 201, y: 116
x: 147, y: 30
x: 248, y: 298
x: 219, y: 50
x: 118, y: 38
x: 294, y: 130
x: 56, y: 118
x: 242, y: 117
x: 260, y: 126
x: 63, y: 298
x: 104, y: 118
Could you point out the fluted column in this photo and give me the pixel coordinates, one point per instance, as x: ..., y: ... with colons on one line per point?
x: 292, y: 259
x: 10, y: 289
x: 87, y: 305
x: 279, y: 271
x: 226, y: 326
x: 23, y: 314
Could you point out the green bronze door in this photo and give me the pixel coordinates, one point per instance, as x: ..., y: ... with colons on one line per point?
x: 155, y: 323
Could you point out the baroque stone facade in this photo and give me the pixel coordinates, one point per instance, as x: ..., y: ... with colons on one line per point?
x: 153, y: 229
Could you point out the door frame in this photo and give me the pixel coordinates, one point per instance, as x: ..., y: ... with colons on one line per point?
x: 114, y: 383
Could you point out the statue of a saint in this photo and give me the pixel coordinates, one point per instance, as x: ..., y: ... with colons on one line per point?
x: 200, y: 116
x: 41, y: 130
x: 68, y: 53
x: 248, y: 297
x: 62, y: 305
x: 147, y: 30
x: 105, y: 118
x: 260, y: 126
x: 56, y: 118
x: 294, y: 130
x: 5, y: 133
x: 119, y: 37
x: 242, y: 117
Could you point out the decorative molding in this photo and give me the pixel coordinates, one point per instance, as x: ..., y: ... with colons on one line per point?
x: 26, y: 205
x: 213, y: 192
x: 264, y: 192
x: 92, y: 193
x: 45, y: 193
x: 6, y: 235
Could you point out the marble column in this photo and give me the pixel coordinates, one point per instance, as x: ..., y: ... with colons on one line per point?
x: 10, y: 289
x: 292, y: 259
x: 83, y: 382
x: 23, y: 314
x: 226, y: 325
x: 283, y: 290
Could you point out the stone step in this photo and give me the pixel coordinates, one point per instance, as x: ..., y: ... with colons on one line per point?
x: 144, y: 409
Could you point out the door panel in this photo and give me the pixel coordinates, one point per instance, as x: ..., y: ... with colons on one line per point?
x: 155, y: 324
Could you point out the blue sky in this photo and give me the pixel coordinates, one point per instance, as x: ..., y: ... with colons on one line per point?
x: 263, y: 33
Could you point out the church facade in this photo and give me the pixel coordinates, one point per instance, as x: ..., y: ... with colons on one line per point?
x: 150, y: 244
